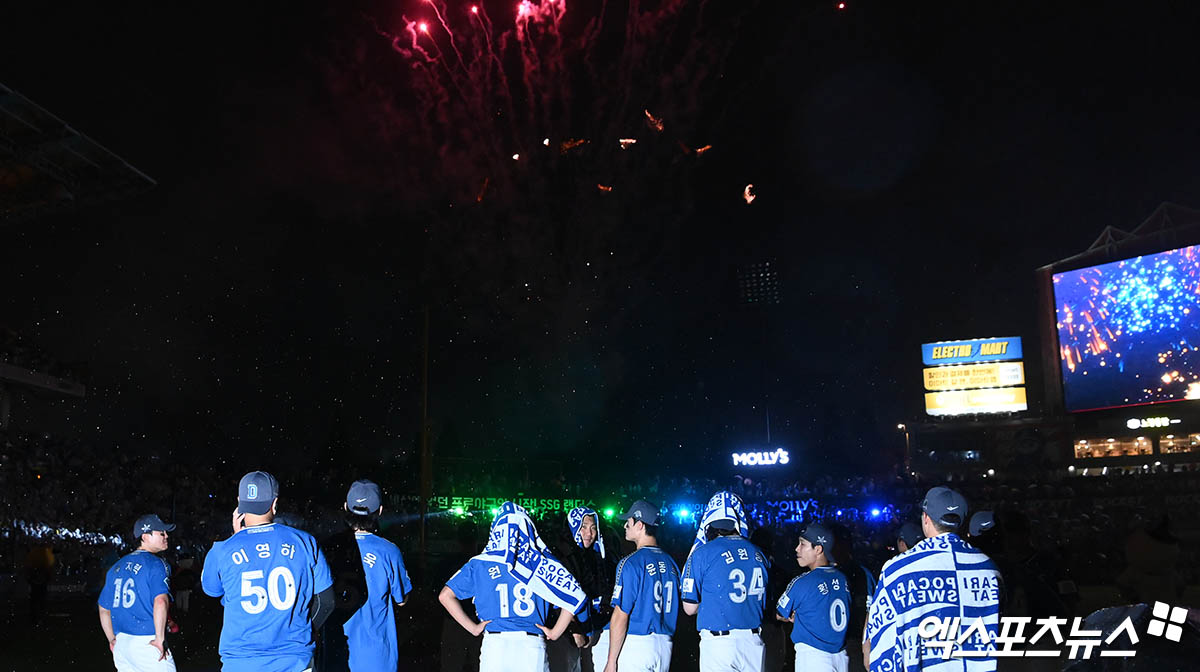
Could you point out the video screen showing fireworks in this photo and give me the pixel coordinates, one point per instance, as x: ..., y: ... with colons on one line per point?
x: 1128, y: 331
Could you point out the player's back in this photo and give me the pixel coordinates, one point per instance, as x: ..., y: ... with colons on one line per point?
x: 500, y: 597
x: 647, y: 588
x: 820, y: 603
x: 729, y: 576
x: 130, y: 588
x: 371, y: 631
x: 266, y: 576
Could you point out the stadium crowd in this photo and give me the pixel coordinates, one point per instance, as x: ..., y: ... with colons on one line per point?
x: 61, y: 491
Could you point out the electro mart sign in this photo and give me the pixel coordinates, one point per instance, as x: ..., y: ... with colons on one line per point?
x: 761, y: 458
x: 972, y: 351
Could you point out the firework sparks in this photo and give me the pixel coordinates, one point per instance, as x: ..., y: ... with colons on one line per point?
x: 748, y: 194
x: 475, y: 94
x: 604, y: 187
x: 1131, y: 319
x: 654, y: 122
x: 568, y: 145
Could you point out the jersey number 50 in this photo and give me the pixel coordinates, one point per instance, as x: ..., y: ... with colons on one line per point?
x: 259, y: 596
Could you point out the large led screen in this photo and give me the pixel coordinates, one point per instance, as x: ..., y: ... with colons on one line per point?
x: 1128, y: 331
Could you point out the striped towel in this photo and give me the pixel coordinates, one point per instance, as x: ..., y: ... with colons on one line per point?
x: 514, y: 541
x: 723, y: 506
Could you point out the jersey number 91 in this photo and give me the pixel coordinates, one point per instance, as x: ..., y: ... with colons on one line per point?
x: 662, y: 598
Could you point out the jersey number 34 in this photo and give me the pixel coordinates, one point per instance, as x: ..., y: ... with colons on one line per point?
x: 757, y: 589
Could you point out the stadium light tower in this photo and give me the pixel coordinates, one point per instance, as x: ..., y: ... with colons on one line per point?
x: 758, y: 285
x: 907, y: 452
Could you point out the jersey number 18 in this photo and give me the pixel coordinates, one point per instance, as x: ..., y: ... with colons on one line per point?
x: 522, y: 600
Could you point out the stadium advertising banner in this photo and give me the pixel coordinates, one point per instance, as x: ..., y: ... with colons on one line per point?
x: 1128, y: 331
x: 958, y: 402
x: 970, y: 352
x: 974, y: 376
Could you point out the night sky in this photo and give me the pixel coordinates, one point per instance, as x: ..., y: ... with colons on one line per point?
x: 320, y: 181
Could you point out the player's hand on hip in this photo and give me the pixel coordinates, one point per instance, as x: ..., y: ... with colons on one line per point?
x: 477, y: 630
x: 162, y: 649
x: 580, y: 641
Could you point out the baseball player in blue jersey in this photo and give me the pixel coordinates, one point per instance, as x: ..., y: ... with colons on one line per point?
x: 273, y: 582
x: 941, y: 576
x: 134, y: 602
x: 645, y: 600
x: 507, y: 583
x: 725, y: 587
x: 818, y: 605
x: 371, y: 631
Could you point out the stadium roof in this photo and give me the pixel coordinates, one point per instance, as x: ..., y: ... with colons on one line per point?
x: 46, y: 166
x: 1169, y: 226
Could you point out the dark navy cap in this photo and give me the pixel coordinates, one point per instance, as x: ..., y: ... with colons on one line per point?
x: 642, y: 511
x: 981, y: 523
x: 364, y: 497
x: 945, y: 506
x: 256, y: 492
x: 724, y: 524
x: 150, y: 523
x: 911, y: 533
x: 819, y: 535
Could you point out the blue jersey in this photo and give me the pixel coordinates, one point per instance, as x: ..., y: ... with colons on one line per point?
x: 647, y: 588
x: 371, y: 631
x: 820, y: 602
x: 266, y: 577
x: 499, y: 597
x: 728, y: 578
x: 130, y: 588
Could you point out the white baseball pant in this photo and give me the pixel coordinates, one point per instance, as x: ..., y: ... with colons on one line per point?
x: 513, y: 652
x: 645, y: 653
x: 133, y: 653
x: 810, y: 659
x: 739, y: 651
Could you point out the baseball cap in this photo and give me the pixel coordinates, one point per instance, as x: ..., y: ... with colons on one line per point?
x: 981, y: 522
x: 911, y: 533
x: 256, y: 492
x: 945, y: 506
x: 363, y: 497
x: 724, y: 524
x: 819, y: 535
x: 150, y: 523
x: 642, y: 511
